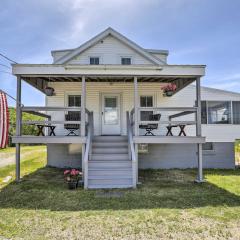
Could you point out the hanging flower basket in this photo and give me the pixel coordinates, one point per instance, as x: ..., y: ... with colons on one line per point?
x: 169, y: 89
x: 49, y: 91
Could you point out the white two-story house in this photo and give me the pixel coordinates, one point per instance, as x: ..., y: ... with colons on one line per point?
x: 107, y: 112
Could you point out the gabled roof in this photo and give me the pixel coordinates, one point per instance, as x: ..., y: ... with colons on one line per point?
x: 102, y: 35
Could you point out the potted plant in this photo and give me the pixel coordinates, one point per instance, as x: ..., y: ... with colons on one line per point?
x: 49, y: 91
x: 169, y: 89
x: 72, y: 177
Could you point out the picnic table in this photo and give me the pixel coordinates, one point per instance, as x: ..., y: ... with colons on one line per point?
x: 41, y: 128
x: 182, y: 129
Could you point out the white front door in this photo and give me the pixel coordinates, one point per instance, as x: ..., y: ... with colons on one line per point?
x: 111, y: 119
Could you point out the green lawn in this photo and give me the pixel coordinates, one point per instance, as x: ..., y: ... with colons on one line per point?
x: 168, y: 205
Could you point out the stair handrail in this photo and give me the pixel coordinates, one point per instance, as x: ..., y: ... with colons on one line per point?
x: 131, y: 148
x: 88, y: 148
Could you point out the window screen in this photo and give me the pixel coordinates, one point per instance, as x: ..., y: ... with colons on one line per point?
x: 204, y: 112
x: 94, y: 60
x: 236, y: 112
x: 219, y: 112
x: 126, y: 61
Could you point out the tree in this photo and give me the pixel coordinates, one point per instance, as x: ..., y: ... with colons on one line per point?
x: 26, y: 129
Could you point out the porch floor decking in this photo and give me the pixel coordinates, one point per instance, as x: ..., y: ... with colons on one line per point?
x: 168, y: 139
x: 79, y: 139
x: 48, y: 139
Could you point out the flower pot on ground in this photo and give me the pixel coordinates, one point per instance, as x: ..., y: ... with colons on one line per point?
x: 169, y: 89
x: 72, y: 177
x: 49, y: 91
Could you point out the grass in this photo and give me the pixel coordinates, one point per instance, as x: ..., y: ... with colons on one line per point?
x: 167, y: 205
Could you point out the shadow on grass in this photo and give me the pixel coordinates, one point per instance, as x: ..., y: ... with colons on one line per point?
x: 171, y: 189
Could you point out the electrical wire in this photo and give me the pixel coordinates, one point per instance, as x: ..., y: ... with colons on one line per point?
x: 9, y: 59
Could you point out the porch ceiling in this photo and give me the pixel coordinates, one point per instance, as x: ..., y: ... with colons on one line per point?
x: 40, y: 82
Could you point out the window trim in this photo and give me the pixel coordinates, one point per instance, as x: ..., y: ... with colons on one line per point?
x: 89, y: 59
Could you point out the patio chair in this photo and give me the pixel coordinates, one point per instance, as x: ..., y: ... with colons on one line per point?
x: 72, y: 128
x: 151, y: 126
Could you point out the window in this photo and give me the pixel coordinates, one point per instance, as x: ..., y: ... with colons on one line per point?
x: 204, y: 112
x: 126, y: 61
x: 146, y: 101
x: 219, y: 112
x: 208, y: 146
x: 74, y: 101
x: 94, y: 60
x: 236, y: 112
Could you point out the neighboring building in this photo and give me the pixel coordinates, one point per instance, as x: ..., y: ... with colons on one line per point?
x: 111, y: 86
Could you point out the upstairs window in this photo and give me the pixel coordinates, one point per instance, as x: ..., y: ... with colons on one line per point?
x: 126, y: 61
x: 94, y: 60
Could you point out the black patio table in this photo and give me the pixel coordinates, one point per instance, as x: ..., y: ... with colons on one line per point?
x: 41, y: 128
x: 182, y: 129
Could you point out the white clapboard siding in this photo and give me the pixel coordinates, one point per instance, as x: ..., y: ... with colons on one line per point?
x: 58, y: 54
x: 184, y: 98
x: 160, y: 56
x: 110, y: 51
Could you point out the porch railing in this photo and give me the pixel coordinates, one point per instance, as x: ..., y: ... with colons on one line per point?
x: 44, y: 112
x: 169, y: 116
x: 131, y: 149
x: 87, y: 153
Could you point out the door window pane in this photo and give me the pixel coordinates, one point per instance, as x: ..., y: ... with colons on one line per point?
x: 111, y: 102
x: 110, y: 110
x: 236, y: 112
x: 219, y: 112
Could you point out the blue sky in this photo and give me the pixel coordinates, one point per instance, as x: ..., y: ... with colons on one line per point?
x: 194, y: 31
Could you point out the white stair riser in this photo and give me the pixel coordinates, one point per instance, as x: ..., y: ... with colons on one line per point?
x: 110, y: 157
x: 109, y: 164
x: 110, y: 172
x: 109, y: 138
x: 109, y: 186
x: 109, y: 181
x: 109, y: 144
x: 113, y: 150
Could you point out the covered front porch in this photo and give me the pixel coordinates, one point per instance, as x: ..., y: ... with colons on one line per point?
x: 123, y: 86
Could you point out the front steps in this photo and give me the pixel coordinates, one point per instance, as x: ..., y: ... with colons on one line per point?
x: 109, y: 165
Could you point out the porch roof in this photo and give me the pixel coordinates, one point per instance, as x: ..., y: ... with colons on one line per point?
x: 38, y: 75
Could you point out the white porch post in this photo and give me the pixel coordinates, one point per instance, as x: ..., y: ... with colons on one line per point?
x: 83, y: 119
x: 199, y: 130
x: 136, y: 131
x: 18, y: 126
